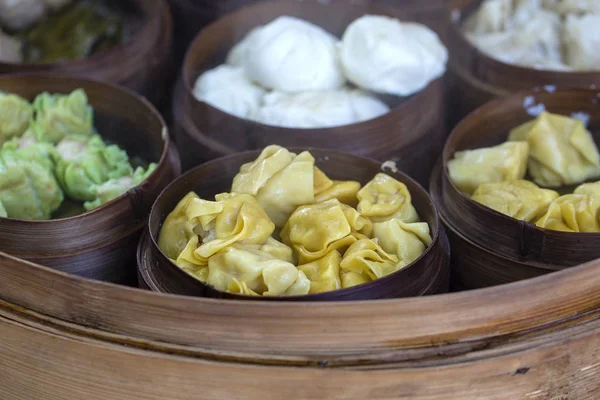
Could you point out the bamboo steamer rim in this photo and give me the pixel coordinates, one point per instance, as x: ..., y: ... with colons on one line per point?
x: 149, y: 13
x: 436, y: 229
x: 478, y: 62
x: 189, y: 76
x: 118, y: 90
x: 497, y: 103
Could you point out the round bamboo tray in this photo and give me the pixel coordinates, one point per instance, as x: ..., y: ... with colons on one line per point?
x: 139, y: 63
x: 429, y: 274
x: 95, y: 340
x: 475, y: 78
x: 411, y: 134
x: 492, y: 248
x: 99, y: 244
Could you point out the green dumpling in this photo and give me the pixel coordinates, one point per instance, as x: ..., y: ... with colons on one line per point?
x: 15, y: 116
x: 114, y: 188
x: 83, y: 163
x: 28, y: 189
x: 58, y: 116
x: 25, y: 150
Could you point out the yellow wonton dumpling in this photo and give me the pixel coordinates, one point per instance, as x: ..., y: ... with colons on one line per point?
x: 289, y: 188
x: 471, y: 168
x: 521, y: 199
x: 593, y: 189
x: 177, y: 230
x: 324, y: 273
x: 366, y: 257
x: 384, y: 198
x: 405, y: 240
x: 561, y: 150
x: 572, y: 213
x: 351, y: 279
x: 326, y: 189
x: 317, y: 229
x: 188, y: 261
x: 240, y: 269
x: 280, y: 181
x: 232, y: 218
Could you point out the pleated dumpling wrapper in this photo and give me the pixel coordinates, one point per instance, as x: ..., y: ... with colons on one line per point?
x: 385, y: 197
x: 327, y: 189
x: 317, y: 229
x: 28, y: 188
x: 593, y: 189
x: 15, y: 116
x: 245, y: 270
x: 364, y: 261
x: 572, y: 213
x: 471, y: 168
x: 324, y: 273
x: 520, y: 199
x: 280, y: 181
x: 561, y: 150
x: 177, y: 229
x: 58, y: 116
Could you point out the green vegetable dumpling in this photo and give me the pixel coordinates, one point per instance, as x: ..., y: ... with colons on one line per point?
x: 15, y: 116
x: 28, y: 189
x: 114, y: 188
x: 58, y: 116
x: 82, y: 164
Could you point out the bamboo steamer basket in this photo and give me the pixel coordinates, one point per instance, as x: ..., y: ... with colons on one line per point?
x: 428, y: 274
x: 411, y: 134
x: 96, y: 340
x: 475, y: 78
x: 99, y: 244
x: 492, y: 248
x: 139, y: 63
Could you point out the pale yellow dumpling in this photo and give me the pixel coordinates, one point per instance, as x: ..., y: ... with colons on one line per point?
x: 366, y: 257
x: 572, y: 213
x: 406, y: 240
x: 324, y: 273
x: 520, y: 199
x: 232, y: 218
x: 471, y: 168
x: 279, y: 180
x: 592, y: 189
x: 327, y: 189
x: 317, y: 229
x: 177, y: 229
x: 384, y: 198
x: 561, y: 150
x: 246, y: 270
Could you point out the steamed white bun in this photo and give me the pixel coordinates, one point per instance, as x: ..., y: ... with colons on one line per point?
x: 319, y: 109
x: 385, y: 55
x: 10, y: 49
x: 229, y: 89
x: 237, y: 54
x: 19, y: 14
x: 582, y: 41
x: 292, y: 55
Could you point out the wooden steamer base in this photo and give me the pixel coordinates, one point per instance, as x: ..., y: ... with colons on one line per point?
x: 67, y: 338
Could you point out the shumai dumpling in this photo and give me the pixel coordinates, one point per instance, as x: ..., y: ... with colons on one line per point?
x: 561, y: 150
x: 317, y: 229
x: 327, y: 189
x: 177, y: 229
x: 592, y: 189
x: 248, y: 271
x: 384, y: 198
x: 280, y: 181
x: 15, y: 116
x: 232, y: 218
x: 471, y: 168
x: 572, y: 213
x: 367, y: 258
x: 405, y: 240
x: 58, y: 116
x: 520, y: 199
x: 324, y: 273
